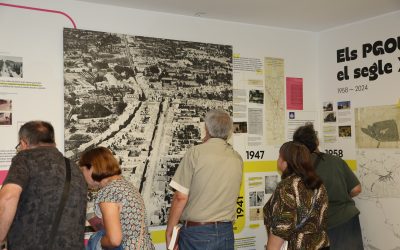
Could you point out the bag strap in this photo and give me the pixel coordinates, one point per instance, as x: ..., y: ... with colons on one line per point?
x: 63, y: 201
x: 298, y: 226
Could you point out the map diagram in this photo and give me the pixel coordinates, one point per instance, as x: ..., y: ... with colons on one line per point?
x: 377, y: 127
x: 379, y: 173
x: 274, y: 101
x: 385, y: 221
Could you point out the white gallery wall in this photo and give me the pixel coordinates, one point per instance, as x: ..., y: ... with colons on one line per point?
x: 371, y: 88
x: 37, y: 37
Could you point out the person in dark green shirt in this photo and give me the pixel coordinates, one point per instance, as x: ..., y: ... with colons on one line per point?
x: 342, y: 185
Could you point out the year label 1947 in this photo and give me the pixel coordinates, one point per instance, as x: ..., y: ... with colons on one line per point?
x: 259, y: 154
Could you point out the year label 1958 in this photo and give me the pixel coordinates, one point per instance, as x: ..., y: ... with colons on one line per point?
x: 337, y: 152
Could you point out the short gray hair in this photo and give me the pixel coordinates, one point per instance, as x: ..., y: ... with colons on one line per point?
x: 219, y: 124
x: 37, y: 132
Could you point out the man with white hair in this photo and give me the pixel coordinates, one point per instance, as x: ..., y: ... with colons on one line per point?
x: 206, y: 185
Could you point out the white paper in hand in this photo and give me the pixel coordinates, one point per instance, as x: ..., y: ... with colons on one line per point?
x: 175, y: 237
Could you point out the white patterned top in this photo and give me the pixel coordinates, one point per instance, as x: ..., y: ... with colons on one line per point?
x: 133, y: 212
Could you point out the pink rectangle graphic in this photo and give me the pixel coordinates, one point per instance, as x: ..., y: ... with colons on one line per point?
x: 3, y: 174
x: 294, y: 93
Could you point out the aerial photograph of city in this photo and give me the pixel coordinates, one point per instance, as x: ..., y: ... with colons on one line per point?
x: 144, y: 98
x: 11, y: 66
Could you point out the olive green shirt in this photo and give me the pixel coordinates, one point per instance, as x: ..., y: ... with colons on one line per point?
x: 339, y: 180
x: 210, y: 174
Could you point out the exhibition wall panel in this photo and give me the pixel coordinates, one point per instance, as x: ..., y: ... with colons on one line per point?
x: 359, y: 73
x: 264, y: 62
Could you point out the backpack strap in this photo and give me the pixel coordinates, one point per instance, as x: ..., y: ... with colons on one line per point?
x: 63, y: 201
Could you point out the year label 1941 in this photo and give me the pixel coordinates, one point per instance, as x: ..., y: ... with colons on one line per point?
x: 239, y: 209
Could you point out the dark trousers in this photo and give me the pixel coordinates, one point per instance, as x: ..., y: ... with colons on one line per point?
x: 346, y: 236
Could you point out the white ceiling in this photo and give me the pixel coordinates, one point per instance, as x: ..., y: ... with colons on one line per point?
x: 308, y: 15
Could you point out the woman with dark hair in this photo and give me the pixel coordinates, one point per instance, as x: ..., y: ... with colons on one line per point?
x: 118, y: 203
x: 297, y: 210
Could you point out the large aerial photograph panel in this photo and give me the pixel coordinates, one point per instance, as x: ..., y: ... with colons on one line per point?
x: 144, y: 98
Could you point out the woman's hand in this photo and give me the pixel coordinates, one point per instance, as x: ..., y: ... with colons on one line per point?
x: 274, y: 242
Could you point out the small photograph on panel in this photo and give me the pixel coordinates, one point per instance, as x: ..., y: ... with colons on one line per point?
x: 328, y: 106
x: 10, y: 66
x: 239, y: 127
x: 270, y: 183
x: 292, y: 115
x: 343, y: 105
x: 5, y: 104
x: 260, y: 198
x: 256, y: 96
x: 256, y: 214
x: 253, y: 198
x: 330, y: 116
x: 345, y: 131
x: 5, y: 118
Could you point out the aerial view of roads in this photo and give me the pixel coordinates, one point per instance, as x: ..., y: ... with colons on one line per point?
x: 10, y: 66
x: 144, y: 98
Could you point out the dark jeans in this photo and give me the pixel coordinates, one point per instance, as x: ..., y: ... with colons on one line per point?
x: 207, y: 237
x: 346, y: 236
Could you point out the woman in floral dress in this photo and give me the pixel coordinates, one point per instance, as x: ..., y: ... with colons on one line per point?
x: 118, y: 203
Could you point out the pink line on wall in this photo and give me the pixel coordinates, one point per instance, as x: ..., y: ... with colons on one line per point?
x: 3, y: 174
x: 39, y: 9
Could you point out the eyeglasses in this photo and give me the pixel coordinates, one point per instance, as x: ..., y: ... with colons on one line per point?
x: 19, y: 144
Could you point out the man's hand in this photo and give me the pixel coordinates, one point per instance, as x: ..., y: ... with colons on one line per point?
x: 168, y: 235
x: 3, y: 246
x: 355, y: 191
x: 178, y: 204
